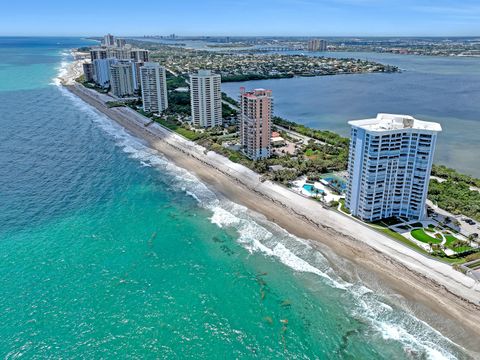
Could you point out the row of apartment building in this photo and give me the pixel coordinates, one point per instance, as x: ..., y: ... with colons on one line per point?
x: 255, y: 115
x: 128, y: 72
x: 390, y: 157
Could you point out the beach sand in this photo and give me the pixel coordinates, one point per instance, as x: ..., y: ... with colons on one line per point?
x: 435, y: 292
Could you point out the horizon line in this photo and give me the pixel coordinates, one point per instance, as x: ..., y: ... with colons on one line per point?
x: 249, y: 36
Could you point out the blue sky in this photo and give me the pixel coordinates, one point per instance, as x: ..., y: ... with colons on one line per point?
x: 242, y: 17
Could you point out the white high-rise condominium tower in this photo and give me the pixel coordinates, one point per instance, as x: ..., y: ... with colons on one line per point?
x: 154, y: 87
x: 206, y: 99
x: 389, y: 166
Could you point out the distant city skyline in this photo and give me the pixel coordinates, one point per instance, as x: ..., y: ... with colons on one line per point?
x: 248, y: 18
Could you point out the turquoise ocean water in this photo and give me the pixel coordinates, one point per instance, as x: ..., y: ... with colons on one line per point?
x: 107, y: 250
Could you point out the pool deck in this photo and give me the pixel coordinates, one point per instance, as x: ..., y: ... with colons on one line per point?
x: 329, y: 195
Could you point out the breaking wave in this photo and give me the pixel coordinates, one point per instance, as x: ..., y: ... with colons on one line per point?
x: 256, y: 236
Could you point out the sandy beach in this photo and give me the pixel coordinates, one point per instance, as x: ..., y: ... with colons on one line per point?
x: 450, y: 295
x: 72, y: 71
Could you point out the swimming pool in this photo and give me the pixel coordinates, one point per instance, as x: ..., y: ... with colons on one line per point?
x: 336, y: 182
x: 312, y: 190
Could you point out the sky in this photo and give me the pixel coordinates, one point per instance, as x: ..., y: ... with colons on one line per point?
x: 241, y: 17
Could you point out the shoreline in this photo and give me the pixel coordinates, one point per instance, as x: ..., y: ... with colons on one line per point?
x: 400, y: 269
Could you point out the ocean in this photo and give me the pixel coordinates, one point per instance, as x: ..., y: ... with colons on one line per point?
x: 108, y: 250
x: 441, y: 89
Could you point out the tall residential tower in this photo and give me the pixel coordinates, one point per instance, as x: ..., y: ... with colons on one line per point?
x: 101, y: 71
x: 389, y: 166
x: 109, y: 40
x: 317, y: 45
x: 206, y: 99
x: 256, y: 109
x: 123, y: 79
x: 154, y: 87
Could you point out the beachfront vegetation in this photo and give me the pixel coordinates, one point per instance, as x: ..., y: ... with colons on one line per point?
x: 326, y: 158
x: 227, y: 111
x: 456, y: 197
x: 81, y: 80
x: 113, y: 104
x: 456, y: 245
x: 343, y: 207
x: 173, y: 124
x: 175, y: 82
x: 438, y: 239
x: 228, y: 99
x: 383, y: 228
x: 446, y: 173
x: 179, y: 103
x: 472, y: 257
x: 325, y: 136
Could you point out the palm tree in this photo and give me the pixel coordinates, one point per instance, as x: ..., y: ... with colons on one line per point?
x: 472, y: 237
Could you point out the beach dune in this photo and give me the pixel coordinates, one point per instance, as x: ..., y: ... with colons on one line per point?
x: 418, y: 278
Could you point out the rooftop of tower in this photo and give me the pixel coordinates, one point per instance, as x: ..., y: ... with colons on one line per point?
x: 388, y: 122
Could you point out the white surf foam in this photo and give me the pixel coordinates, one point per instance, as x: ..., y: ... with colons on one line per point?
x: 296, y: 253
x: 416, y: 336
x: 62, y: 69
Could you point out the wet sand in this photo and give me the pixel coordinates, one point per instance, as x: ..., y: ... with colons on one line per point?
x: 449, y: 307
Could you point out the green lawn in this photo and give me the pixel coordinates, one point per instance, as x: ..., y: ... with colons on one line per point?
x: 402, y: 239
x: 422, y: 236
x: 451, y: 240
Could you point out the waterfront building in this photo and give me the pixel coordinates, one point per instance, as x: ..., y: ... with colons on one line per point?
x: 389, y: 166
x: 135, y: 72
x: 101, y: 71
x: 120, y: 42
x: 88, y: 72
x: 122, y: 78
x: 206, y: 99
x: 154, y: 87
x: 119, y: 53
x: 138, y: 65
x: 98, y: 53
x: 317, y: 45
x: 139, y: 55
x: 109, y: 40
x: 255, y: 120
